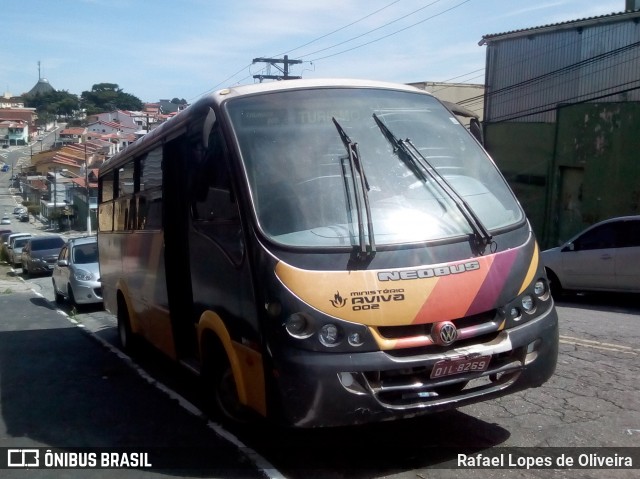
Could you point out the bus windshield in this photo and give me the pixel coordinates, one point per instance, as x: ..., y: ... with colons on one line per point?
x: 302, y: 183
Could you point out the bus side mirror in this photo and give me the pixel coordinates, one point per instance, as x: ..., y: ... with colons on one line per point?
x: 209, y: 121
x: 476, y: 130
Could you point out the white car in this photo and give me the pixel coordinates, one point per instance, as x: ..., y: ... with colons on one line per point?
x: 5, y: 220
x: 76, y: 274
x: 604, y: 257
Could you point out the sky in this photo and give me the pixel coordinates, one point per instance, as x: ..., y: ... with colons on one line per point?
x: 163, y: 49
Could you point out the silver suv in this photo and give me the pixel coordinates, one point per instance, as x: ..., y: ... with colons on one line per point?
x: 76, y: 274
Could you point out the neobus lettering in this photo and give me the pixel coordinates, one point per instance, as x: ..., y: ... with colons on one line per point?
x: 428, y: 272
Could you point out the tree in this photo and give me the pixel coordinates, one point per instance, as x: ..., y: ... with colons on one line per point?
x: 177, y: 101
x: 108, y: 97
x: 54, y: 103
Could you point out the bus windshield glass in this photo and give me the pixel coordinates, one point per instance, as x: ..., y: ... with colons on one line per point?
x: 306, y: 191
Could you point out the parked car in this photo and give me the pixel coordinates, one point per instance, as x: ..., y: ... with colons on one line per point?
x: 24, y: 217
x: 76, y: 275
x: 8, y: 242
x: 4, y: 235
x: 603, y: 257
x: 40, y: 253
x: 15, y: 250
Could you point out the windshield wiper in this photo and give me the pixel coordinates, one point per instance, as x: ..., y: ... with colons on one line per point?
x: 360, y: 193
x: 416, y: 161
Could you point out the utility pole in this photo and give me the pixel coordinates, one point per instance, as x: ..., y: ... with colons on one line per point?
x: 285, y: 69
x: 86, y: 183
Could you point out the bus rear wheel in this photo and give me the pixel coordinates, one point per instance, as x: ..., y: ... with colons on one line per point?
x: 126, y: 336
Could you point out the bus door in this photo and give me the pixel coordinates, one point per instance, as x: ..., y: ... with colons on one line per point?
x: 220, y: 278
x: 175, y: 222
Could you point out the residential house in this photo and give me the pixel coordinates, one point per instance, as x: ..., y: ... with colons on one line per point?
x: 9, y: 101
x: 71, y: 135
x: 26, y: 115
x: 562, y: 103
x: 114, y: 133
x: 13, y: 132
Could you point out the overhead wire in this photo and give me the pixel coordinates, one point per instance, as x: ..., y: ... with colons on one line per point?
x: 339, y: 29
x: 386, y: 36
x: 373, y: 30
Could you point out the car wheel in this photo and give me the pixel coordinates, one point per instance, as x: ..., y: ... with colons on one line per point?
x: 59, y: 298
x: 71, y: 296
x: 554, y: 284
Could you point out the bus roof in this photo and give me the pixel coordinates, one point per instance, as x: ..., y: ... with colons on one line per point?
x: 180, y: 121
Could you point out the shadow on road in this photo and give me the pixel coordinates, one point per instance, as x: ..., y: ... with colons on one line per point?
x: 600, y: 301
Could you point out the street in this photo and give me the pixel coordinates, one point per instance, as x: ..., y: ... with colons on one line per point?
x: 64, y: 383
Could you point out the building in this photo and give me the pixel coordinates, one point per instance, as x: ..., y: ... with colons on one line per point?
x: 562, y: 119
x: 469, y: 95
x: 13, y: 132
x: 71, y: 135
x: 26, y: 117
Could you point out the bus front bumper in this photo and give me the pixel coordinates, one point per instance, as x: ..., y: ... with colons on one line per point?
x: 333, y: 389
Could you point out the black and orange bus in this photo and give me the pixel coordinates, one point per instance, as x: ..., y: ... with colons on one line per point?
x: 325, y: 252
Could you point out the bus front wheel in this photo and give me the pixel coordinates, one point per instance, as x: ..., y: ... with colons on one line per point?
x: 221, y: 392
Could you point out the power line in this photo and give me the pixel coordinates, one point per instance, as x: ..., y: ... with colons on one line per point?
x: 338, y: 29
x: 558, y: 104
x: 390, y: 34
x: 542, y: 53
x: 374, y: 30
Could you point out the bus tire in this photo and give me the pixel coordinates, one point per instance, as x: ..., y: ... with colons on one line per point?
x: 219, y: 387
x: 125, y: 334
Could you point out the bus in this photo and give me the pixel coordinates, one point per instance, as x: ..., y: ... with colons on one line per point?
x: 325, y: 253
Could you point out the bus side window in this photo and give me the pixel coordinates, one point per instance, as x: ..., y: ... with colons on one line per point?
x: 214, y: 199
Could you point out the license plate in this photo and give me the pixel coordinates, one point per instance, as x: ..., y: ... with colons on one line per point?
x: 459, y: 366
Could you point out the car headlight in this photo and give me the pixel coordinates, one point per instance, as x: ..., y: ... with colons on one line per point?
x: 82, y: 275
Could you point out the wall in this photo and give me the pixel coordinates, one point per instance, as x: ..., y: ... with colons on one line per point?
x: 523, y: 152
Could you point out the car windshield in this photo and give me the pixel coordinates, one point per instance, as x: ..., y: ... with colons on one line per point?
x: 47, y: 243
x: 85, y: 253
x: 304, y: 181
x: 20, y: 242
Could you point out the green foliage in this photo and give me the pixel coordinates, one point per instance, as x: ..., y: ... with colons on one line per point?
x: 53, y: 103
x: 33, y: 210
x: 108, y: 97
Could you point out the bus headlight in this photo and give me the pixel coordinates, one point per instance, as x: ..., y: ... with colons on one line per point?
x: 539, y: 288
x: 355, y: 339
x: 329, y: 335
x: 299, y: 326
x: 528, y: 304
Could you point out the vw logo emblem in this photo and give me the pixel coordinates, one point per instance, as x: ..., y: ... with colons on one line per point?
x: 444, y: 333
